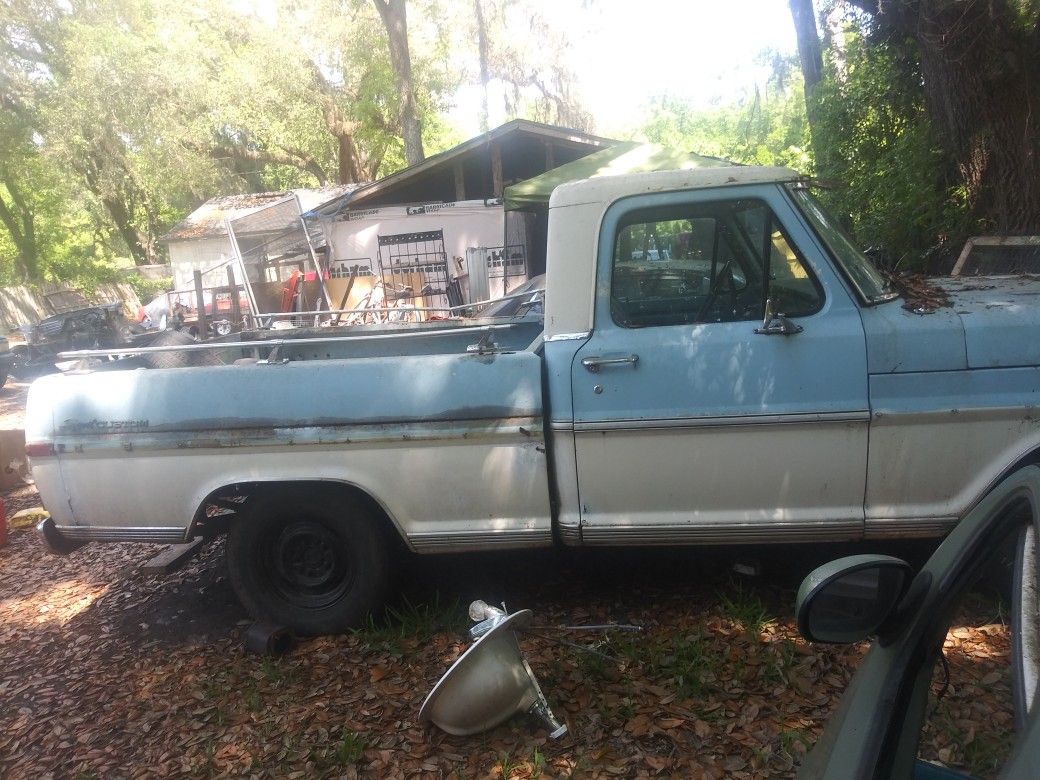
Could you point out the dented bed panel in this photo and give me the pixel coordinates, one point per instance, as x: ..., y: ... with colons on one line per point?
x: 293, y: 394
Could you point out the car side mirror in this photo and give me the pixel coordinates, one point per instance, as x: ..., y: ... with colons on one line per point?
x: 849, y: 599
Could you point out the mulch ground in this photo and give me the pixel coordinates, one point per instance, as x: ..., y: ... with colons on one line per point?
x: 105, y: 672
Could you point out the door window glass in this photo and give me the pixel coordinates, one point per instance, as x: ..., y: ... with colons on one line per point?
x: 712, y: 262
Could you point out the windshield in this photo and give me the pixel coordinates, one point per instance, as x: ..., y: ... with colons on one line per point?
x: 866, y: 278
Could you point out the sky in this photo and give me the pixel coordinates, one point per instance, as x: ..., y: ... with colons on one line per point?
x: 625, y: 52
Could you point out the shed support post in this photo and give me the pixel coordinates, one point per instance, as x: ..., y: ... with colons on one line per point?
x: 460, y: 182
x: 200, y: 302
x: 496, y: 170
x: 236, y: 309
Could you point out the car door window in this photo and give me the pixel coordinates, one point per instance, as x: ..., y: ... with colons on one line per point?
x: 707, y: 262
x: 970, y: 724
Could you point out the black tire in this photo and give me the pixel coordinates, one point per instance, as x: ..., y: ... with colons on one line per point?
x: 178, y: 359
x: 316, y: 564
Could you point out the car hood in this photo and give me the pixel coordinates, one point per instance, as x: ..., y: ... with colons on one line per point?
x: 990, y: 322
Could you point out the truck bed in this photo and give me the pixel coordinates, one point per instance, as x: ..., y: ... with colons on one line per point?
x: 410, y: 424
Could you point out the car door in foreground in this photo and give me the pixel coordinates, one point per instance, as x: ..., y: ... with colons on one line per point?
x: 876, y: 730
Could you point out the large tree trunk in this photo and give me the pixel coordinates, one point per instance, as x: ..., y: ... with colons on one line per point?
x: 980, y: 62
x: 395, y: 20
x: 810, y: 56
x: 18, y: 218
x: 118, y: 202
x: 347, y: 157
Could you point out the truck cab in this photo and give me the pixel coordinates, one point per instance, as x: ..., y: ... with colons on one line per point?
x: 730, y: 368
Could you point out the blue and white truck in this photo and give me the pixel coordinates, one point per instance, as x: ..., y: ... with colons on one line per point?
x: 716, y: 363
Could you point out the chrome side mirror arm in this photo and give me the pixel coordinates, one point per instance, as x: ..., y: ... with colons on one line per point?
x: 777, y: 324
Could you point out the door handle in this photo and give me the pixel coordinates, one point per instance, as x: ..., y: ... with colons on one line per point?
x: 593, y: 364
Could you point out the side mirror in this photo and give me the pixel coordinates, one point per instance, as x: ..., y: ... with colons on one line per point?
x: 849, y: 599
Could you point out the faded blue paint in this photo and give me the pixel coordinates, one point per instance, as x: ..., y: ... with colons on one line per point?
x: 297, y: 394
x: 992, y: 322
x: 1001, y: 319
x: 723, y: 369
x: 899, y: 340
x: 558, y: 357
x: 946, y: 391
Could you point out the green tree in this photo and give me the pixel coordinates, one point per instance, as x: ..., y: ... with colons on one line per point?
x: 142, y: 108
x: 978, y: 65
x: 888, y: 177
x: 519, y: 50
x: 765, y: 126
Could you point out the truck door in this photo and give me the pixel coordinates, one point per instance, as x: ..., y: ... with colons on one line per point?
x: 693, y: 422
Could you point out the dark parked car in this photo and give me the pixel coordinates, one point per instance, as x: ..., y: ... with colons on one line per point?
x: 876, y: 730
x: 75, y: 324
x: 6, y: 360
x: 519, y: 302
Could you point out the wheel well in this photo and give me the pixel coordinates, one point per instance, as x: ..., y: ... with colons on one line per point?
x: 228, y: 504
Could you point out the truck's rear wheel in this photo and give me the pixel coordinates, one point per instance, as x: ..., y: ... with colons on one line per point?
x: 317, y: 566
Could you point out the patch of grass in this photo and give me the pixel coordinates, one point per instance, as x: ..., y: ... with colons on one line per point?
x: 782, y: 659
x: 251, y: 696
x: 689, y: 661
x: 694, y: 657
x: 214, y: 689
x: 981, y: 756
x: 649, y: 651
x: 277, y: 670
x: 742, y: 604
x: 350, y: 749
x: 591, y: 666
x: 537, y: 763
x: 579, y: 768
x: 762, y: 754
x: 506, y: 765
x: 986, y: 754
x: 791, y: 737
x: 412, y: 624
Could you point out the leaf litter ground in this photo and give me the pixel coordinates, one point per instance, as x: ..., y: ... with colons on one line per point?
x: 106, y: 672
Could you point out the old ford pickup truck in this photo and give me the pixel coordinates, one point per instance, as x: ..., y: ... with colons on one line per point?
x: 716, y: 363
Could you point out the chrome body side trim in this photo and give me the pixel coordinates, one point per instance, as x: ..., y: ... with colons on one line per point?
x: 908, y: 528
x: 503, y: 429
x: 720, y: 533
x: 719, y: 422
x: 100, y: 533
x: 465, y: 541
x: 570, y: 535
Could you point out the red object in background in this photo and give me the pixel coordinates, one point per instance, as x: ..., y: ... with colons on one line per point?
x: 289, y: 291
x: 3, y: 523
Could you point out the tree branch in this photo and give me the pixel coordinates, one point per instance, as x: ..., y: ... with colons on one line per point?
x: 278, y: 156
